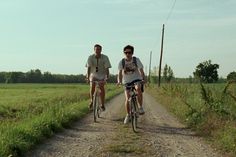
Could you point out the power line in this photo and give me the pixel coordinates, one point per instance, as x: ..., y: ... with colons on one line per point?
x: 172, y: 8
x: 162, y: 41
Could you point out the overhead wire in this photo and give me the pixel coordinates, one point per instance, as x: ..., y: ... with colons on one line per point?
x: 167, y: 19
x: 171, y: 10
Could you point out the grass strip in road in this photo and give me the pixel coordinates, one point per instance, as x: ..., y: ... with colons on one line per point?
x: 126, y: 142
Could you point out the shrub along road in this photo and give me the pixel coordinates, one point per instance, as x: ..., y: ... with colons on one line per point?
x: 160, y: 134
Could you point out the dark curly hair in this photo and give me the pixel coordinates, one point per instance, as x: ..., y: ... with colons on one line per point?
x: 97, y: 45
x: 129, y: 47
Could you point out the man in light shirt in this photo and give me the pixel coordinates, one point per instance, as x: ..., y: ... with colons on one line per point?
x: 97, y: 70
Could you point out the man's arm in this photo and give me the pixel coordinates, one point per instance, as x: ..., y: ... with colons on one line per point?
x: 142, y: 74
x: 119, y: 77
x: 88, y: 73
x: 107, y: 73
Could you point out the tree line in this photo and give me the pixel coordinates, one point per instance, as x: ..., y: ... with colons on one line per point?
x: 36, y: 76
x: 205, y: 72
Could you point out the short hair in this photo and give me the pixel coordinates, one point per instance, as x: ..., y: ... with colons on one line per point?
x: 129, y: 47
x: 97, y: 45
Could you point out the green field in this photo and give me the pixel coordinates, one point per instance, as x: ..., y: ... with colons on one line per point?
x: 30, y: 113
x: 210, y: 109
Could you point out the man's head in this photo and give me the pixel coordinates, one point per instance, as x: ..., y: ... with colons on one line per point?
x: 97, y: 49
x: 128, y: 51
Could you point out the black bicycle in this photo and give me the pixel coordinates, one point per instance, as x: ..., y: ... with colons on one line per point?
x: 133, y: 105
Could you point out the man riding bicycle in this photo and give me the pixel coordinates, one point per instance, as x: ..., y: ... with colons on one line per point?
x: 131, y: 72
x: 97, y: 70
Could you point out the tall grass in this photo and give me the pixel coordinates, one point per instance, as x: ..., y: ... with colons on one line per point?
x: 210, y: 109
x: 30, y: 113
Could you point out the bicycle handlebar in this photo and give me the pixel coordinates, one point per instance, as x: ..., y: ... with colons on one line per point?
x: 99, y: 82
x: 133, y: 84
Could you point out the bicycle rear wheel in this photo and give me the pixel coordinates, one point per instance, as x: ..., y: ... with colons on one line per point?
x: 134, y: 118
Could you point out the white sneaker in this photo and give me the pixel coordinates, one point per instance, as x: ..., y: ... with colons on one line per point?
x: 127, y: 118
x: 141, y: 111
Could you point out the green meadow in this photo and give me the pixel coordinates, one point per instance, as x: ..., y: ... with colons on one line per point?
x: 30, y: 113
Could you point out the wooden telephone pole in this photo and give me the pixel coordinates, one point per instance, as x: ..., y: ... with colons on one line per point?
x: 162, y: 40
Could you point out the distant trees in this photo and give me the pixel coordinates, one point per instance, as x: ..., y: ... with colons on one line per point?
x: 153, y: 75
x: 14, y: 77
x: 207, y: 72
x: 112, y: 78
x: 231, y: 76
x: 2, y: 77
x: 36, y: 76
x: 168, y: 73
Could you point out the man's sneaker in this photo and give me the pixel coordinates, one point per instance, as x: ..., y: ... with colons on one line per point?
x: 103, y: 108
x: 90, y: 106
x: 141, y: 111
x: 127, y: 118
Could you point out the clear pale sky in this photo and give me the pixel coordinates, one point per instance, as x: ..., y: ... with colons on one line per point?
x: 59, y: 35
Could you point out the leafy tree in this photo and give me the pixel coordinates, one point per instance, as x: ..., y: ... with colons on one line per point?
x: 165, y: 72
x: 207, y: 72
x: 231, y: 76
x: 14, y: 77
x: 82, y: 78
x: 168, y: 73
x: 34, y: 76
x: 2, y: 77
x: 48, y: 77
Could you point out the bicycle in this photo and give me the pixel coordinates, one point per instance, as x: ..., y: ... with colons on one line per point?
x: 133, y: 106
x: 97, y: 100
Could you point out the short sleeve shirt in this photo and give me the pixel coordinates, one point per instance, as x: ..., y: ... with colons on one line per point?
x: 101, y: 63
x: 130, y: 71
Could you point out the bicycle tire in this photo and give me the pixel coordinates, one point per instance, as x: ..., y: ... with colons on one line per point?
x: 134, y: 118
x: 98, y: 107
x: 95, y: 107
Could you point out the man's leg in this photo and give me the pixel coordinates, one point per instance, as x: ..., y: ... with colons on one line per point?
x: 102, y: 94
x: 127, y: 117
x: 139, y: 94
x: 140, y: 98
x: 127, y: 96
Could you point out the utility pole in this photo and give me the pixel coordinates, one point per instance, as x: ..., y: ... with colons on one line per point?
x: 162, y: 40
x: 150, y: 66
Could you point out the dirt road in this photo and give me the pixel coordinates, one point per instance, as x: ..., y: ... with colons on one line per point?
x: 160, y: 135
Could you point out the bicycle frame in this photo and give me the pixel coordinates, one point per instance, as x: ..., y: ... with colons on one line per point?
x: 97, y: 100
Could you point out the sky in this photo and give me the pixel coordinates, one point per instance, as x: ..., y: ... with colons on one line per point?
x: 59, y: 35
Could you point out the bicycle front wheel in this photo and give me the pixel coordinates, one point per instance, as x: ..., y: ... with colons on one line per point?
x: 134, y: 118
x: 95, y: 106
